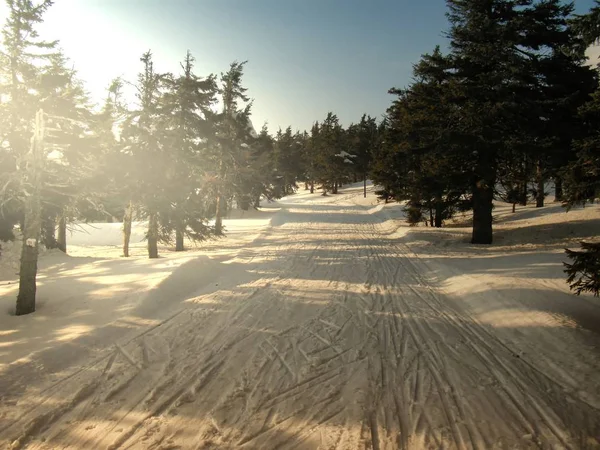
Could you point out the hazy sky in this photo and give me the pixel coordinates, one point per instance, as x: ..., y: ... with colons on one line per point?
x: 305, y: 57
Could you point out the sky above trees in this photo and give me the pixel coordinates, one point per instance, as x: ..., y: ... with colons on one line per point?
x: 304, y: 57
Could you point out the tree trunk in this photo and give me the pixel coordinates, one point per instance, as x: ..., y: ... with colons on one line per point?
x: 62, y: 233
x: 179, y: 235
x: 312, y: 187
x: 335, y: 187
x: 524, y: 194
x: 439, y: 208
x: 32, y: 222
x: 539, y: 198
x: 153, y: 235
x: 430, y: 217
x: 483, y: 196
x: 127, y: 219
x: 306, y: 185
x: 558, y: 189
x: 257, y: 201
x: 219, y: 216
x: 365, y: 186
x: 514, y: 208
x: 49, y: 232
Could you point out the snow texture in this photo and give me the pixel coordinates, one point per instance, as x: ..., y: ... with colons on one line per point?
x: 318, y: 322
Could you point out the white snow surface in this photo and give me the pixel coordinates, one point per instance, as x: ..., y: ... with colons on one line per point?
x: 318, y: 322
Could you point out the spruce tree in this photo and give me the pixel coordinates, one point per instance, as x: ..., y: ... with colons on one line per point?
x: 144, y: 137
x: 329, y: 145
x: 425, y: 166
x: 232, y: 135
x: 485, y: 41
x: 262, y: 166
x: 186, y: 108
x: 72, y: 161
x: 288, y: 161
x: 582, y: 175
x: 22, y: 56
x: 365, y: 140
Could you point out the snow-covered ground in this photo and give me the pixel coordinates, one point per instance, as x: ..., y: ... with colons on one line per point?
x: 319, y: 322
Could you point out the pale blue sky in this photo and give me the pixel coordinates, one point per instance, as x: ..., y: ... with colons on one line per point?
x: 305, y: 57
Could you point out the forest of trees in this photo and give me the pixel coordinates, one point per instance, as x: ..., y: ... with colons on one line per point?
x: 510, y: 106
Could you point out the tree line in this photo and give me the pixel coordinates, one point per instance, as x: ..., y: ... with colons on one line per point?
x: 511, y: 105
x: 179, y: 156
x: 508, y: 107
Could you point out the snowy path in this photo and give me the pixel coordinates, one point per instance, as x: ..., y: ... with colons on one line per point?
x: 324, y: 333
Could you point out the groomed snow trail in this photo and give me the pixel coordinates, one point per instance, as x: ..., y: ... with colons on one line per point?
x: 336, y: 338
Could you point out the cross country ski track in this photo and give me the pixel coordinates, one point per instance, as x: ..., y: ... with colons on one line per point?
x: 338, y: 337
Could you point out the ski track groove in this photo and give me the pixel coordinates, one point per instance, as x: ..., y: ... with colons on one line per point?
x: 386, y: 364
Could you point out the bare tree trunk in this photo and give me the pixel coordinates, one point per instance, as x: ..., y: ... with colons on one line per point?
x: 539, y: 199
x: 365, y: 186
x: 431, y: 217
x: 306, y: 185
x: 514, y: 207
x: 62, y: 233
x: 49, y: 232
x: 127, y: 219
x: 524, y: 193
x: 483, y: 196
x: 153, y: 235
x: 312, y: 187
x: 219, y: 216
x: 33, y: 218
x: 438, y: 212
x: 179, y: 235
x: 558, y: 189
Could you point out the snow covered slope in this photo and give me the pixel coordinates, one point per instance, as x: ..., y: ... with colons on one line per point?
x: 319, y: 322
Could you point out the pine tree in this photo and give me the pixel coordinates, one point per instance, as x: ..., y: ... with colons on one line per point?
x: 425, y: 166
x: 329, y: 144
x: 503, y: 57
x: 362, y: 141
x: 555, y: 85
x: 113, y: 178
x: 34, y: 142
x: 311, y: 155
x: 582, y: 175
x: 587, y: 27
x: 186, y: 108
x: 584, y: 272
x: 383, y: 170
x: 144, y: 137
x: 262, y: 168
x: 288, y: 152
x: 485, y: 41
x: 72, y: 161
x: 233, y: 133
x: 22, y: 55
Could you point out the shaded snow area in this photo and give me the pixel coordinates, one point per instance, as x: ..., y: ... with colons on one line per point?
x: 319, y: 322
